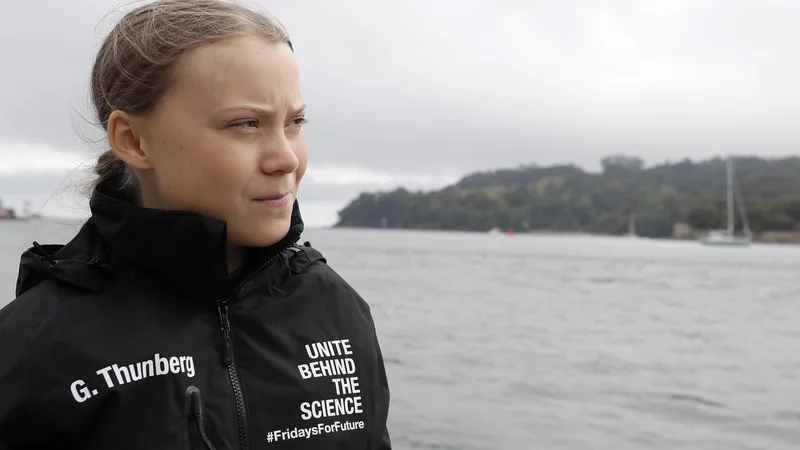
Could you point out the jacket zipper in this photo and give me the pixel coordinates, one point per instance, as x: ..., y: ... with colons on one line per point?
x: 227, y: 360
x: 228, y: 352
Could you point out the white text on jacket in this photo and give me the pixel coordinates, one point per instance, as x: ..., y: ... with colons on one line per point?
x: 342, y: 369
x: 116, y: 375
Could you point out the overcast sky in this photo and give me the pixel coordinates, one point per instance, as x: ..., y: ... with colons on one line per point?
x: 420, y: 92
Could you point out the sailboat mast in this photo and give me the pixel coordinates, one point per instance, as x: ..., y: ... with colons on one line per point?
x: 729, y: 182
x: 631, y: 224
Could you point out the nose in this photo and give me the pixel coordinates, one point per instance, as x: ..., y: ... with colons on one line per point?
x: 278, y: 155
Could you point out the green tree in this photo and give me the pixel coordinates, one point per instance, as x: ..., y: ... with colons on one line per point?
x: 567, y: 198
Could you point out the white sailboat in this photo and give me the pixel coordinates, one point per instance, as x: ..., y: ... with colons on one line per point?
x: 728, y: 236
x: 632, y: 227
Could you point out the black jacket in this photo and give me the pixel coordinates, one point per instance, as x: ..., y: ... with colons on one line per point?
x: 134, y: 336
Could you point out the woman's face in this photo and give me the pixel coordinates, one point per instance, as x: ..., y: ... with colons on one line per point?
x: 226, y: 139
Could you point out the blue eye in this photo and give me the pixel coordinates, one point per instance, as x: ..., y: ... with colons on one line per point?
x: 246, y: 124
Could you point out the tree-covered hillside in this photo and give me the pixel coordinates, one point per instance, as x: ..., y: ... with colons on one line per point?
x: 570, y: 199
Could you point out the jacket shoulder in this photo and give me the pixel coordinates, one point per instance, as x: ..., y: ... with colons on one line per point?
x: 302, y: 257
x: 31, y: 322
x: 28, y: 321
x: 34, y: 309
x: 313, y: 272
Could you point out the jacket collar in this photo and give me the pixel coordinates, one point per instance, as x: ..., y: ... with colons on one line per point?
x: 182, y: 248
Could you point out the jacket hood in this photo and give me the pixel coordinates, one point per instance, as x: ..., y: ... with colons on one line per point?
x: 183, y: 248
x: 79, y: 263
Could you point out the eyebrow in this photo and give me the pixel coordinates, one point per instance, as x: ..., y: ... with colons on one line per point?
x: 258, y: 110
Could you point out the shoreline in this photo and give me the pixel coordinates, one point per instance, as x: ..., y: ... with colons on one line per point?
x: 769, y: 237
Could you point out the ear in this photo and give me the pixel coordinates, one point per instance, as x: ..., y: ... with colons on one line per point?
x: 125, y: 141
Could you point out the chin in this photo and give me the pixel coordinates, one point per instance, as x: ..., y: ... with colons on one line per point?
x: 260, y: 235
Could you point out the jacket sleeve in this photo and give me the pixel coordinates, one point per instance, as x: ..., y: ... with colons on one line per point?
x: 385, y: 442
x: 26, y: 421
x: 380, y: 428
x: 15, y: 431
x: 382, y: 391
x: 382, y: 395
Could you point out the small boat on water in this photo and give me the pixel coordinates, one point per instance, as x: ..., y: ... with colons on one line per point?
x: 725, y: 238
x: 728, y: 236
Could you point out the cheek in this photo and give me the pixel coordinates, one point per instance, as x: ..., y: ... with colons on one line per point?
x: 189, y: 165
x: 193, y: 150
x: 219, y: 170
x: 172, y: 152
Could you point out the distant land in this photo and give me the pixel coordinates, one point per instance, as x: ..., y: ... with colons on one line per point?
x: 568, y: 199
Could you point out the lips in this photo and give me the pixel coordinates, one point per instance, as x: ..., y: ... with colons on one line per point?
x: 277, y: 200
x: 272, y: 197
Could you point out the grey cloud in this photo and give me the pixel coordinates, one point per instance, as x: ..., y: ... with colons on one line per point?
x: 47, y: 50
x: 451, y: 87
x: 41, y: 183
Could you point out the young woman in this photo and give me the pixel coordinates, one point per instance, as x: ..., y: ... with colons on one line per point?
x: 184, y: 314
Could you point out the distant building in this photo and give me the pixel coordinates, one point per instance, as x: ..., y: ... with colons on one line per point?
x: 6, y: 213
x: 682, y: 230
x: 780, y: 237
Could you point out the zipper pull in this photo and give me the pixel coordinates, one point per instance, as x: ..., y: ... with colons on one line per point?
x: 225, y: 326
x: 196, y: 415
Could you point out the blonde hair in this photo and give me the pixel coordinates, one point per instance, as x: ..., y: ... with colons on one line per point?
x: 134, y: 65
